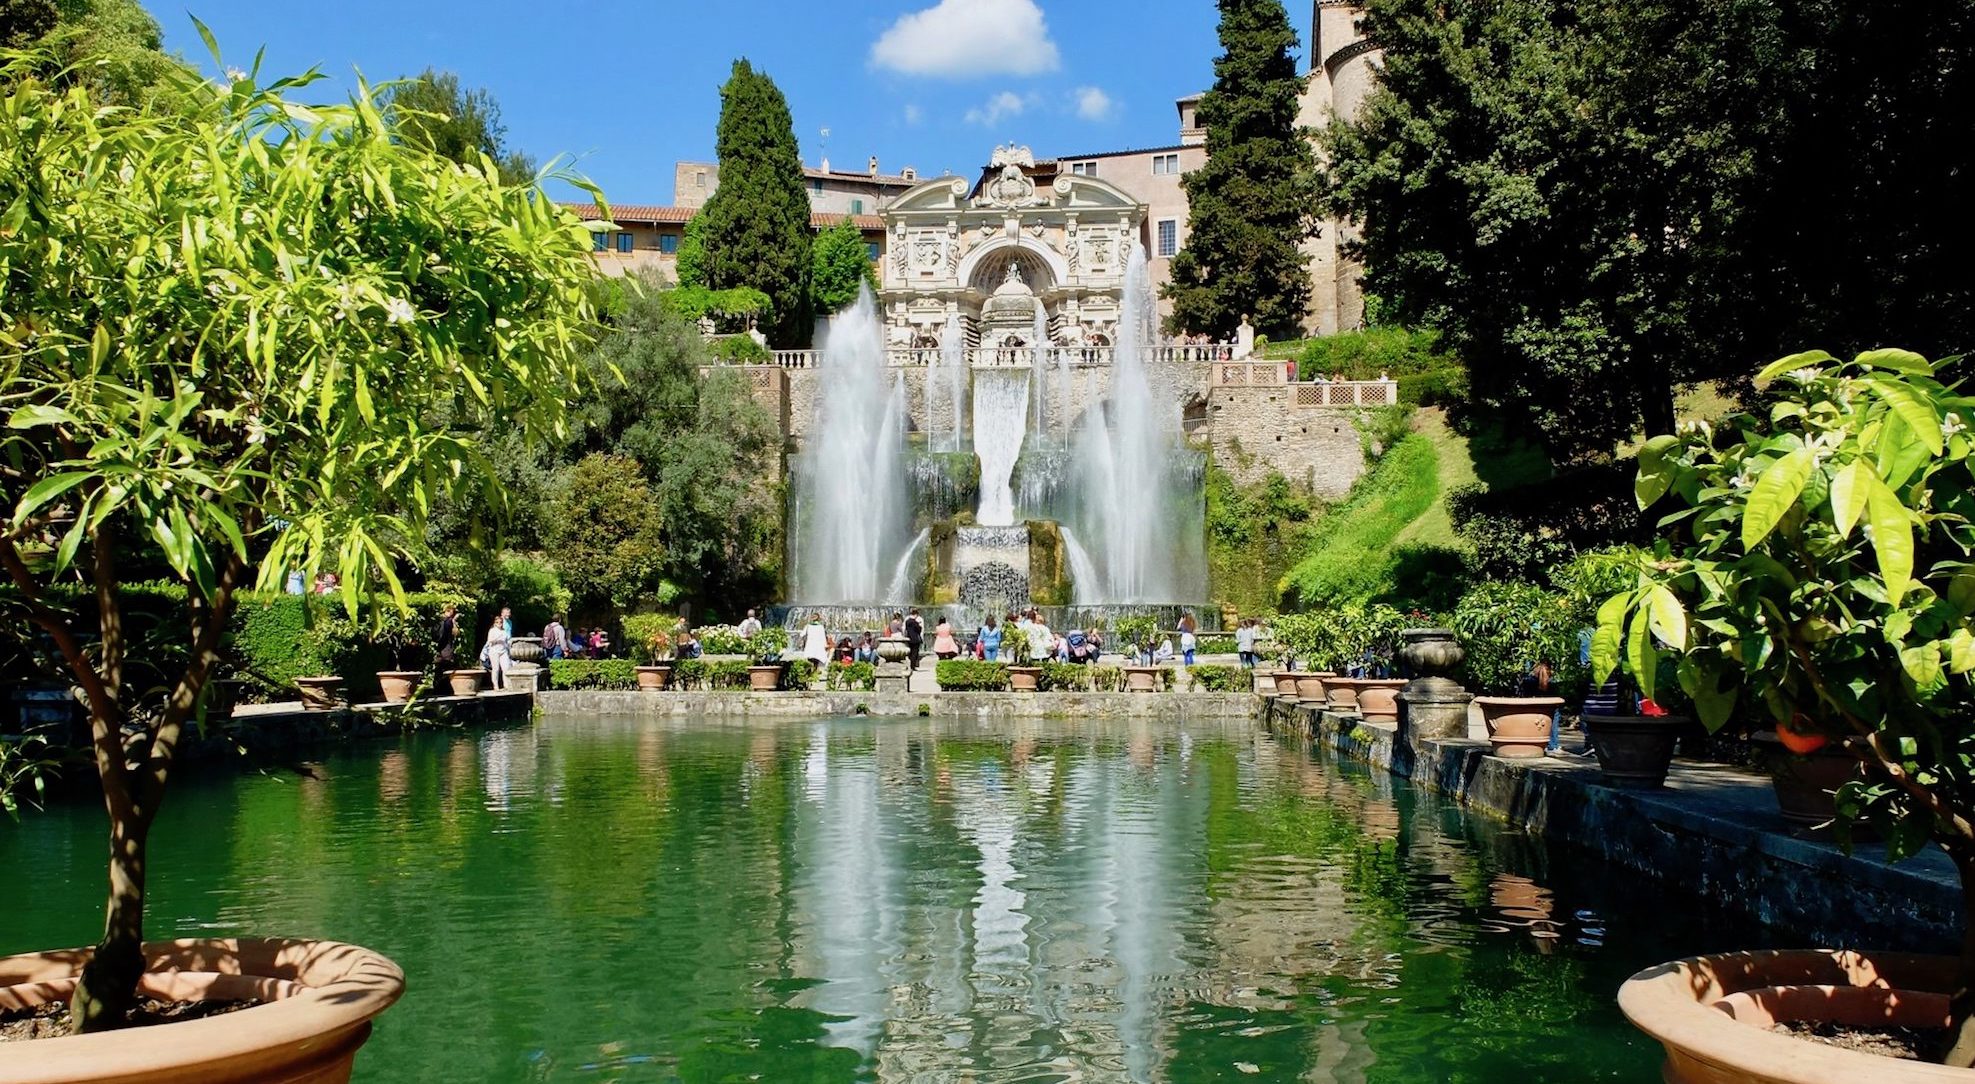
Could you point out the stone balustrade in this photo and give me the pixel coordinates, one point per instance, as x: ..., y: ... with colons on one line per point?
x: 1023, y: 357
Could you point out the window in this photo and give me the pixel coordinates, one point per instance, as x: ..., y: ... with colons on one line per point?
x: 857, y: 206
x: 668, y: 243
x: 871, y: 250
x: 1165, y: 164
x: 816, y: 186
x: 625, y: 243
x: 1084, y: 169
x: 1169, y: 236
x: 600, y: 241
x: 699, y: 179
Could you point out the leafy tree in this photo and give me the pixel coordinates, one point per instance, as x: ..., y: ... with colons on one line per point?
x: 690, y: 261
x: 1255, y: 201
x: 757, y: 223
x: 244, y: 314
x: 22, y: 22
x: 1599, y: 201
x: 112, y: 46
x: 456, y: 122
x: 842, y: 266
x: 604, y: 530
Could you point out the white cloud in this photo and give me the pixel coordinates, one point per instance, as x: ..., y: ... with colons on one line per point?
x: 955, y: 39
x: 913, y: 114
x: 1001, y: 107
x: 1093, y: 104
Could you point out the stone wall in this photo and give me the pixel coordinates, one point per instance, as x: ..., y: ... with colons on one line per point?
x: 1254, y: 430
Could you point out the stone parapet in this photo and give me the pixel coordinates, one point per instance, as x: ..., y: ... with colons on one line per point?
x: 939, y: 705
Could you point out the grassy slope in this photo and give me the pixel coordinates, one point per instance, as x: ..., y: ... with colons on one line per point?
x: 1350, y: 555
x: 1435, y: 527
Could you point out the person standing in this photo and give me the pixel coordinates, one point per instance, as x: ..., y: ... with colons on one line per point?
x: 990, y: 640
x: 749, y: 626
x: 507, y: 621
x: 915, y: 637
x: 445, y: 638
x: 555, y: 639
x: 1189, y: 637
x: 944, y: 646
x: 815, y: 641
x: 496, y: 653
x: 1244, y: 642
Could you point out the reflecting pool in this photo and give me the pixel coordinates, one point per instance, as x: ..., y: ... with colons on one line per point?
x: 696, y: 900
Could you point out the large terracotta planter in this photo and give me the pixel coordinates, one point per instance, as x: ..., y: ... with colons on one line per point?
x: 321, y: 997
x: 1023, y: 679
x: 1378, y: 699
x: 1142, y: 679
x: 764, y: 679
x: 1311, y: 690
x: 397, y: 685
x: 1518, y: 726
x: 1806, y: 785
x: 1713, y: 1015
x: 656, y: 678
x: 1285, y: 684
x: 1343, y: 692
x: 320, y: 693
x: 1634, y: 751
x: 465, y: 682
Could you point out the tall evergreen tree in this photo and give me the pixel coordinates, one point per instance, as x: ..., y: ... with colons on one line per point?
x: 1256, y: 200
x: 757, y: 223
x: 842, y: 264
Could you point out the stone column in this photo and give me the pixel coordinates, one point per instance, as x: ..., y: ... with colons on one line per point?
x: 1433, y: 705
x: 892, y: 673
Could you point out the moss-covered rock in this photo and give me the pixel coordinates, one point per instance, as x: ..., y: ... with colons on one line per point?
x: 1049, y: 565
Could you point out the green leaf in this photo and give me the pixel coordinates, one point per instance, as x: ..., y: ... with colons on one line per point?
x: 1610, y: 634
x: 1922, y: 663
x: 1848, y: 494
x: 1639, y: 653
x: 1807, y: 360
x: 1773, y: 495
x: 1961, y: 651
x: 1669, y: 618
x: 1892, y: 538
x: 1899, y: 361
x: 48, y: 489
x: 38, y: 414
x: 1655, y: 474
x: 1915, y: 409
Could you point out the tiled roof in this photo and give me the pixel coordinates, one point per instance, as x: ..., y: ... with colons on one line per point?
x: 639, y: 213
x: 1121, y: 154
x: 823, y: 220
x: 888, y: 180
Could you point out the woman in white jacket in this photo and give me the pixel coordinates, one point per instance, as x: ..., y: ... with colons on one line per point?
x: 496, y: 654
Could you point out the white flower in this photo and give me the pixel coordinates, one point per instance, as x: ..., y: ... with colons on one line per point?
x: 256, y: 431
x: 1951, y: 425
x: 399, y: 311
x: 346, y: 301
x: 1806, y: 374
x: 248, y: 217
x: 126, y: 174
x: 236, y: 75
x: 1742, y: 480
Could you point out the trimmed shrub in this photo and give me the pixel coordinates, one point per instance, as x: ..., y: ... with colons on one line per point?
x: 1507, y: 628
x: 649, y: 636
x: 799, y: 674
x: 852, y: 677
x: 1063, y: 677
x: 721, y: 640
x: 970, y: 675
x: 593, y: 674
x: 1223, y: 679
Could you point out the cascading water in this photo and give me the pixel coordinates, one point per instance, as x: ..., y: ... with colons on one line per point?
x: 1085, y: 580
x: 1039, y: 373
x: 853, y: 517
x: 1001, y: 409
x: 905, y: 576
x: 1133, y: 506
x: 946, y: 390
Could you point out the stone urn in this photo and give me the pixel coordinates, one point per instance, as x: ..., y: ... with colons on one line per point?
x: 1433, y: 705
x: 397, y: 685
x: 1519, y: 726
x: 1024, y: 679
x: 1311, y: 688
x: 527, y: 649
x: 1431, y: 653
x: 1716, y: 1015
x: 318, y: 1000
x: 892, y: 671
x: 465, y: 682
x: 1378, y: 699
x: 320, y: 693
x: 1343, y: 694
x: 654, y: 678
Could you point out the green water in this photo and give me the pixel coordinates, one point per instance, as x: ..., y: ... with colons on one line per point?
x: 637, y: 900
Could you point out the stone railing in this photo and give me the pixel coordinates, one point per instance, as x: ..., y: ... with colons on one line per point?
x: 1347, y: 393
x: 1022, y: 357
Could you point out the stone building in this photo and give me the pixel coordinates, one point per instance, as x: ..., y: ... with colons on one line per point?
x: 647, y: 236
x: 831, y: 191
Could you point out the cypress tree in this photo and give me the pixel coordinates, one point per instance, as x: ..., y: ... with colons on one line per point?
x: 1256, y: 200
x: 756, y: 230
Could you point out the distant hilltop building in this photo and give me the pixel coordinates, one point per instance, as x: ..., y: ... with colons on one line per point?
x: 945, y: 245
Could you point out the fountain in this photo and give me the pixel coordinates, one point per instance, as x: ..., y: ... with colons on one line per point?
x: 1010, y: 499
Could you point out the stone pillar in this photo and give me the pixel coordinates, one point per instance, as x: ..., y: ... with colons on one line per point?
x: 1433, y: 705
x: 892, y: 673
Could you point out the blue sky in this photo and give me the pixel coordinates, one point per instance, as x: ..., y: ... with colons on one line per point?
x: 630, y: 86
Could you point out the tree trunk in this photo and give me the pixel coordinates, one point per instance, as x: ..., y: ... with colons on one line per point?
x: 1960, y: 1049
x: 108, y: 987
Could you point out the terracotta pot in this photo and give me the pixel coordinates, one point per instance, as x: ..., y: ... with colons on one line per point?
x: 1378, y: 699
x: 319, y: 693
x: 321, y: 997
x: 397, y: 685
x: 1806, y: 786
x: 1023, y: 679
x: 1285, y: 682
x: 1634, y: 751
x: 1712, y: 1014
x: 764, y: 679
x: 1142, y: 679
x: 1519, y: 726
x: 1343, y: 694
x: 465, y: 682
x: 655, y: 678
x: 1310, y: 688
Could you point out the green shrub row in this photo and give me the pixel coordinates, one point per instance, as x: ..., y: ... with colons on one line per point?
x: 852, y: 677
x: 971, y: 675
x: 593, y: 674
x: 1223, y: 679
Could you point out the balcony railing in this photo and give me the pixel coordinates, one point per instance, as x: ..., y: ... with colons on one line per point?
x: 1022, y: 357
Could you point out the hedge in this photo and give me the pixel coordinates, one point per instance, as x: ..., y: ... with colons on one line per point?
x: 971, y: 675
x: 711, y: 674
x: 1223, y: 679
x: 1076, y: 677
x: 852, y: 677
x: 593, y: 674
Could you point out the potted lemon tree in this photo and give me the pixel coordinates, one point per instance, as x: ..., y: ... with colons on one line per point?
x: 1818, y: 575
x: 248, y: 314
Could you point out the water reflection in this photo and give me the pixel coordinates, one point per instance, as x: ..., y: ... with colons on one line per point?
x: 691, y: 900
